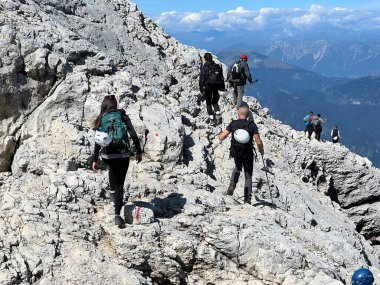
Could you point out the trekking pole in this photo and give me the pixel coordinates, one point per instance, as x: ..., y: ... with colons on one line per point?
x: 254, y: 154
x: 266, y: 174
x: 254, y: 81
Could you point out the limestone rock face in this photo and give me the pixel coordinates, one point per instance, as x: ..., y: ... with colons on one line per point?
x: 58, y: 59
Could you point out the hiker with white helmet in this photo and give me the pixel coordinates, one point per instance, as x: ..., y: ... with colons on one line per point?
x: 243, y: 131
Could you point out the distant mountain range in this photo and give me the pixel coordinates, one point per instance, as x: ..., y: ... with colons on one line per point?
x: 291, y: 92
x: 337, y: 53
x: 323, y: 57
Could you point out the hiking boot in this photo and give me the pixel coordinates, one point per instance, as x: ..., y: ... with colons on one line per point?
x: 230, y: 191
x: 119, y: 221
x: 210, y: 119
x: 247, y: 200
x: 215, y: 122
x: 219, y: 120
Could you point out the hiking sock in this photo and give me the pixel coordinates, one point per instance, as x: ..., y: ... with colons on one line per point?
x: 112, y: 196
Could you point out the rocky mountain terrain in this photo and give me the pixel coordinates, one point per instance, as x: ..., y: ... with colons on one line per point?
x: 58, y: 59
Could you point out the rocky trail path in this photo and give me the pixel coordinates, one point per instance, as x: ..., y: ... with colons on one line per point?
x: 58, y: 60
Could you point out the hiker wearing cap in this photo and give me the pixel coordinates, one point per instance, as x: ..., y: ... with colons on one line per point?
x: 243, y: 131
x: 335, y: 135
x: 317, y: 124
x: 308, y: 119
x: 210, y: 81
x: 238, y: 75
x: 113, y: 127
x: 362, y: 276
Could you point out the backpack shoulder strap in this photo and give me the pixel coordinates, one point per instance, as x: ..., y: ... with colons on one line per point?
x: 239, y: 65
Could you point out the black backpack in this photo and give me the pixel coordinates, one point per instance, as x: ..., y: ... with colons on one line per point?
x: 214, y: 76
x: 239, y: 149
x: 335, y: 132
x: 235, y: 73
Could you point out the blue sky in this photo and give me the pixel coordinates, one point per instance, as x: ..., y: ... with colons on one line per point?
x: 288, y: 16
x: 153, y: 8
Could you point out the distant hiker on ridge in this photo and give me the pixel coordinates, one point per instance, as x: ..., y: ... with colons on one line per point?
x: 309, y: 124
x: 210, y: 81
x: 112, y: 127
x: 238, y: 74
x: 243, y: 132
x: 335, y: 135
x: 317, y: 123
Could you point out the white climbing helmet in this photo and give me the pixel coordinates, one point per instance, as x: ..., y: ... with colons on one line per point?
x: 241, y: 136
x: 102, y: 139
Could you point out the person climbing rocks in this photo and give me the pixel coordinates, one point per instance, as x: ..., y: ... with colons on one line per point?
x: 335, y: 134
x: 211, y: 80
x: 317, y: 124
x: 308, y: 119
x: 112, y: 127
x: 362, y: 276
x: 243, y: 131
x: 238, y: 74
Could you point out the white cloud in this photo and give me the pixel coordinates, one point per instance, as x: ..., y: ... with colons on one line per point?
x: 271, y: 18
x: 238, y: 10
x: 192, y: 18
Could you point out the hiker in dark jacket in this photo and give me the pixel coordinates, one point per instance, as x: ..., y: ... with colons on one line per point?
x: 238, y: 75
x: 335, y: 134
x: 243, y: 132
x: 117, y: 159
x: 210, y: 91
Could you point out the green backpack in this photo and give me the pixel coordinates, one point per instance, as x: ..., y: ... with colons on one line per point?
x: 113, y: 124
x: 317, y: 121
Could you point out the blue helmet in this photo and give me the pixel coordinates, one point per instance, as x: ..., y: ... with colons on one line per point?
x: 362, y: 277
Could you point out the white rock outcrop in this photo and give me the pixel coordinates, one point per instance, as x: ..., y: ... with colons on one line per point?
x: 57, y: 61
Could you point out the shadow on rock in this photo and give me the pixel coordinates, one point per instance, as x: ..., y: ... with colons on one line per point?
x: 168, y: 207
x: 260, y: 202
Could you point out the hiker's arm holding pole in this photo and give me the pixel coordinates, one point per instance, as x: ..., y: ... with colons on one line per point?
x: 259, y: 144
x: 223, y: 135
x: 95, y: 157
